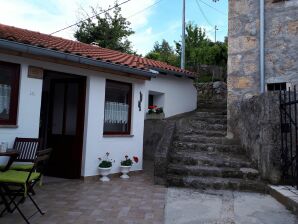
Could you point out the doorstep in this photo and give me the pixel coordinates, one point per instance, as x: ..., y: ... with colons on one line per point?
x: 287, y: 195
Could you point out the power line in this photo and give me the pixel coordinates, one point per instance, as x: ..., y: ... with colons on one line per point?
x: 204, y: 15
x: 150, y: 6
x: 213, y: 7
x: 91, y: 17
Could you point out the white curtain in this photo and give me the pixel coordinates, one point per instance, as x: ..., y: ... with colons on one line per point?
x: 4, y: 98
x: 116, y: 113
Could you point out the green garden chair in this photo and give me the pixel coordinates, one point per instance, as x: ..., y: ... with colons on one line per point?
x: 16, y: 186
x: 27, y: 149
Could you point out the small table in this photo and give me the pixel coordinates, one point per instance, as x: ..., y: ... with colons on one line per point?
x: 12, y: 154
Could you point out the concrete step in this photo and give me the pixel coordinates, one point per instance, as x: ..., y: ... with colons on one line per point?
x: 206, y: 139
x: 216, y: 183
x: 213, y: 171
x: 179, y: 146
x: 206, y: 159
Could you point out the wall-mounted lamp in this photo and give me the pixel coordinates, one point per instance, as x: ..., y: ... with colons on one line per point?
x: 140, y: 101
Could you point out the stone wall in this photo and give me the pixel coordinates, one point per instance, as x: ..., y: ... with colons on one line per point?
x: 212, y: 91
x: 257, y: 124
x: 281, y: 38
x: 153, y: 132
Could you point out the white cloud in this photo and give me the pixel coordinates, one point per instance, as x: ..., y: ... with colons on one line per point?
x: 143, y: 41
x: 52, y: 15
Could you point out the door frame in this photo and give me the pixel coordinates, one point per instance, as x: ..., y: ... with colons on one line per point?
x: 80, y: 109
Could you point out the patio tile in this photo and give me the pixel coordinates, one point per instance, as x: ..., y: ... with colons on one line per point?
x: 133, y: 201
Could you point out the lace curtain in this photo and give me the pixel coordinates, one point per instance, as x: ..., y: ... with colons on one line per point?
x: 4, y: 98
x: 116, y: 113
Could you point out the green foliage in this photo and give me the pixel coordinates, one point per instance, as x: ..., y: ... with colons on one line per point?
x: 126, y: 162
x: 164, y: 52
x: 110, y: 31
x: 199, y: 50
x: 105, y: 164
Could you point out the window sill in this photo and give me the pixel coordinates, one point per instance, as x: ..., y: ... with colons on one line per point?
x: 8, y: 126
x: 116, y: 136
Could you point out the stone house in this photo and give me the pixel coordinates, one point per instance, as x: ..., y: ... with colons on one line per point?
x: 262, y: 57
x: 81, y: 99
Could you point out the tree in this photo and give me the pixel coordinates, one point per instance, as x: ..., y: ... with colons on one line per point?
x: 163, y: 52
x: 109, y: 31
x: 201, y: 50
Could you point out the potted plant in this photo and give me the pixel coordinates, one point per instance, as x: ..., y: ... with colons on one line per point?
x: 125, y: 166
x: 105, y: 167
x: 155, y: 112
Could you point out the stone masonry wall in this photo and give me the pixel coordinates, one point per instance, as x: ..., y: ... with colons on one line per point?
x: 281, y: 38
x: 243, y: 53
x: 256, y: 123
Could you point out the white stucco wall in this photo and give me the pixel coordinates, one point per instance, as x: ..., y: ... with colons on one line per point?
x: 95, y: 145
x: 180, y: 95
x: 28, y: 110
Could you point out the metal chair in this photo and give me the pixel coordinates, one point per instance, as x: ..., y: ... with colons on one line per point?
x: 19, y: 184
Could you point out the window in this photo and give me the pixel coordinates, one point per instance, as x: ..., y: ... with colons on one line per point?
x: 9, y: 93
x: 117, y: 108
x: 151, y: 100
x: 276, y: 86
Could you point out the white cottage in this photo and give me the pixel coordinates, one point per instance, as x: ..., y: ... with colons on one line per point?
x: 82, y: 100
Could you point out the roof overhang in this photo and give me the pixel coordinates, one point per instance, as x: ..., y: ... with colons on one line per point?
x: 175, y: 73
x: 44, y: 54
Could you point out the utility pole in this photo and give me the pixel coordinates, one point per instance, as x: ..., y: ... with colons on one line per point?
x: 183, y: 37
x: 215, y: 29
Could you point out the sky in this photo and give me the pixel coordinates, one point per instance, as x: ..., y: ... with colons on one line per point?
x: 152, y: 20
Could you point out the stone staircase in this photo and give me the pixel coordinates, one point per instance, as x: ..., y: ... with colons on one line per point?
x: 202, y: 157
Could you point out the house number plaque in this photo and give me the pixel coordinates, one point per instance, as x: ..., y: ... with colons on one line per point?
x: 35, y: 72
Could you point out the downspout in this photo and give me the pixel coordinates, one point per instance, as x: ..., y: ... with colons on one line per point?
x: 262, y: 46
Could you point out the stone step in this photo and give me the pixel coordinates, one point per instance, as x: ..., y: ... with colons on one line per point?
x: 207, y: 126
x: 212, y: 104
x: 206, y: 133
x: 216, y: 183
x: 202, y: 114
x: 209, y: 120
x: 212, y: 171
x: 206, y: 139
x: 179, y: 146
x: 206, y: 159
x: 222, y: 111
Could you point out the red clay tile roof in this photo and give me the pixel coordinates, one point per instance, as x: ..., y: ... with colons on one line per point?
x: 86, y: 50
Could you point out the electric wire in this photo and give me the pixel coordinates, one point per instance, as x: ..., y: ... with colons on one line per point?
x: 202, y: 12
x: 150, y: 6
x: 122, y: 3
x: 213, y: 7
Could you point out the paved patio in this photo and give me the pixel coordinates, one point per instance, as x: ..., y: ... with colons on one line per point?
x: 138, y: 201
x: 188, y: 206
x: 132, y: 201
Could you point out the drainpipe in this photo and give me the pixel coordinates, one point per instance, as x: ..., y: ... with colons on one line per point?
x: 262, y: 46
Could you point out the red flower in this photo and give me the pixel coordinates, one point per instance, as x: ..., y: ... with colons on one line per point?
x: 152, y: 107
x: 136, y: 159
